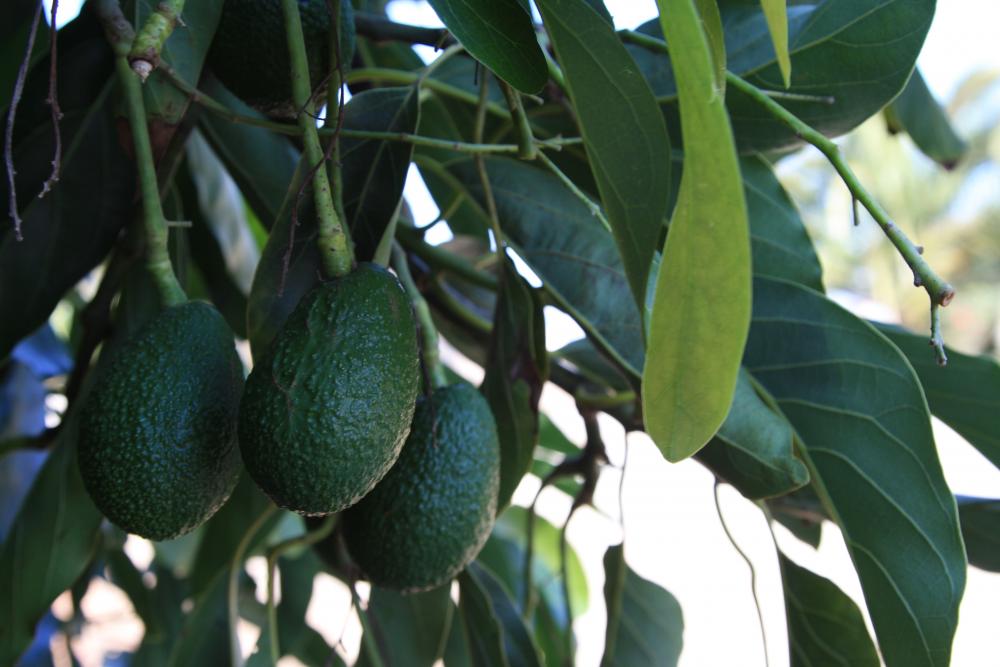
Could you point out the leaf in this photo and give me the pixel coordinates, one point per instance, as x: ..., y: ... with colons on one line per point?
x: 645, y: 622
x: 204, y: 639
x: 922, y: 117
x: 516, y: 370
x: 701, y: 311
x: 484, y: 634
x: 622, y: 128
x: 825, y: 627
x: 519, y: 647
x: 52, y: 540
x: 776, y: 15
x: 981, y: 531
x: 965, y: 394
x: 498, y: 33
x: 711, y: 23
x: 858, y: 409
x: 410, y: 630
x: 753, y: 449
x: 858, y: 52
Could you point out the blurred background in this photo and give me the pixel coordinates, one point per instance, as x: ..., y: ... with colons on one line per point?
x: 668, y: 512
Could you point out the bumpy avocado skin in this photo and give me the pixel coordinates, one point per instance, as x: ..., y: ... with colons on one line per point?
x: 249, y: 53
x: 328, y: 405
x: 434, y: 511
x: 158, y: 448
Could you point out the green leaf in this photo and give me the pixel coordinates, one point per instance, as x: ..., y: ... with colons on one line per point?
x: 776, y: 15
x: 622, y: 128
x: 922, y: 117
x: 753, y: 449
x: 204, y: 640
x: 410, y: 630
x: 500, y: 34
x: 825, y: 627
x: 519, y: 647
x: 711, y: 23
x: 51, y: 542
x: 645, y: 622
x: 981, y: 531
x: 701, y: 311
x: 484, y: 634
x: 965, y: 394
x: 516, y: 370
x: 858, y: 409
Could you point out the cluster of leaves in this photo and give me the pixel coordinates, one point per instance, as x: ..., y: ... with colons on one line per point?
x: 725, y: 337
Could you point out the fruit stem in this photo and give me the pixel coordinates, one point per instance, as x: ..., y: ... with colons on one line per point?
x: 428, y: 332
x: 336, y: 255
x: 119, y: 34
x: 526, y: 147
x: 144, y: 56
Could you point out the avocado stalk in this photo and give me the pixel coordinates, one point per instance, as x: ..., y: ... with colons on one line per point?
x: 120, y: 35
x: 144, y: 55
x: 336, y: 255
x: 428, y: 332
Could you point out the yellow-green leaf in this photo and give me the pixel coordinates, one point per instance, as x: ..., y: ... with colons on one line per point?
x: 701, y: 309
x: 777, y: 23
x: 711, y: 23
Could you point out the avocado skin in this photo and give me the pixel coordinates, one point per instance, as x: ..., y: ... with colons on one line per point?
x: 158, y: 448
x: 435, y: 509
x: 328, y: 405
x: 249, y: 53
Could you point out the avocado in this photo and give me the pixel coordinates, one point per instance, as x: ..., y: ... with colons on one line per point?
x: 328, y: 405
x: 249, y: 52
x: 434, y: 511
x: 157, y: 445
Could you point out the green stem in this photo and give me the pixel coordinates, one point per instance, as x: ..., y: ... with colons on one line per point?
x: 438, y: 257
x: 479, y: 325
x: 527, y: 149
x: 336, y: 255
x: 484, y: 178
x: 385, y: 75
x: 380, y: 28
x: 595, y: 210
x: 594, y: 401
x: 232, y: 593
x: 144, y: 56
x: 368, y: 633
x: 306, y: 540
x: 428, y: 332
x: 119, y: 33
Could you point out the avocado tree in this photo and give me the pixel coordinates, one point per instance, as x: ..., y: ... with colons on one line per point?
x: 186, y: 180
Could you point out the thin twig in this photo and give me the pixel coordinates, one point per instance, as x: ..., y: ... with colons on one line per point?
x: 53, y: 101
x: 15, y: 100
x: 428, y: 332
x: 233, y: 588
x: 591, y: 205
x: 484, y: 178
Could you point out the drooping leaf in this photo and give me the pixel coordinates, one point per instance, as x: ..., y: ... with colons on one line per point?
x: 753, y: 449
x: 410, y: 630
x: 776, y: 15
x: 825, y: 627
x: 921, y: 116
x: 50, y: 543
x: 498, y: 33
x: 483, y: 632
x: 861, y: 415
x: 859, y: 53
x: 519, y: 646
x: 645, y: 622
x: 622, y: 128
x: 981, y: 531
x: 965, y: 394
x: 701, y: 311
x: 516, y: 370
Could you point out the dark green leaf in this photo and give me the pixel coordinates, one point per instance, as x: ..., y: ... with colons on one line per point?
x: 921, y: 116
x: 965, y: 394
x: 47, y: 548
x: 860, y: 413
x: 410, y: 630
x: 204, y: 639
x: 701, y: 312
x: 825, y: 627
x: 622, y: 127
x: 516, y: 370
x: 484, y: 633
x: 500, y: 34
x: 519, y: 647
x: 753, y: 449
x: 981, y: 531
x: 645, y: 623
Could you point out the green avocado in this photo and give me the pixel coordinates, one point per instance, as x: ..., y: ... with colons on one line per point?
x: 432, y: 513
x: 328, y: 405
x: 158, y: 448
x: 249, y: 53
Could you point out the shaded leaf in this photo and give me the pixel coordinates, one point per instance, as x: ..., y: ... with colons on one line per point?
x: 204, y: 638
x: 701, y: 311
x: 825, y: 627
x: 500, y: 34
x: 410, y: 630
x: 516, y: 370
x: 483, y: 632
x: 981, y: 531
x: 861, y: 415
x: 622, y: 128
x: 645, y: 622
x: 917, y: 113
x: 519, y: 646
